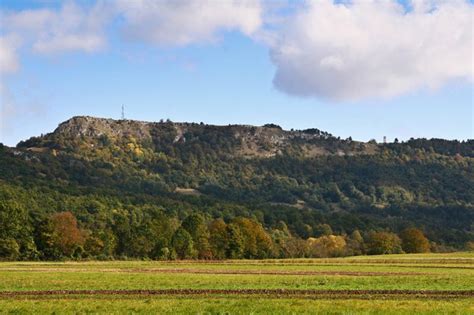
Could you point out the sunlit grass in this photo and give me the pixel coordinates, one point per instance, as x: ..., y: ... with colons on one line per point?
x: 441, y: 272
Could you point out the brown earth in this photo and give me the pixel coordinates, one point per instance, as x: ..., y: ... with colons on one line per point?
x: 223, y: 272
x: 276, y: 272
x: 263, y: 292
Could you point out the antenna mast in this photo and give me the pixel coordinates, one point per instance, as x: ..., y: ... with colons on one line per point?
x: 123, y: 113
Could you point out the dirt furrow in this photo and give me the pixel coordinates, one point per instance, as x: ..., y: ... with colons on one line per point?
x: 267, y: 292
x: 278, y: 272
x: 224, y: 272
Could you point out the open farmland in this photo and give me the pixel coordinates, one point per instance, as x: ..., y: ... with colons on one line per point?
x: 423, y: 283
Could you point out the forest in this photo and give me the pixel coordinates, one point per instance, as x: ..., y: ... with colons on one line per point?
x: 111, y: 189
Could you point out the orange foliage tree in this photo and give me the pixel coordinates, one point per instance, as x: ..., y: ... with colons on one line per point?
x: 66, y: 235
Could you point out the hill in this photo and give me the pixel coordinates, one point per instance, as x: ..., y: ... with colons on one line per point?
x: 130, y: 182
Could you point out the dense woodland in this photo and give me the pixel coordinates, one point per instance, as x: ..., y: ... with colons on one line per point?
x: 103, y: 189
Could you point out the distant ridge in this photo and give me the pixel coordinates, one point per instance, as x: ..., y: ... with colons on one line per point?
x: 249, y: 141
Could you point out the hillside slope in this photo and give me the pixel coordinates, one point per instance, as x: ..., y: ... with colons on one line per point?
x: 307, y: 179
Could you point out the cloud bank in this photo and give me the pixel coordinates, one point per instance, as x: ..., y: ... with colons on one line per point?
x: 372, y: 49
x: 348, y: 50
x: 71, y: 28
x: 184, y: 22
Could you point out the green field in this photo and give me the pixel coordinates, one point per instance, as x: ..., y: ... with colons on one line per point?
x: 424, y: 283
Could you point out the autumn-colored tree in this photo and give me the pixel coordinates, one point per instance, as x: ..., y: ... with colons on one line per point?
x: 257, y: 242
x: 469, y: 246
x: 383, y: 243
x: 218, y: 238
x: 66, y: 235
x: 414, y: 241
x: 327, y: 246
x: 294, y: 247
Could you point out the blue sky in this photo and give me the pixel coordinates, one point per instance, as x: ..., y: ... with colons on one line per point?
x: 234, y: 73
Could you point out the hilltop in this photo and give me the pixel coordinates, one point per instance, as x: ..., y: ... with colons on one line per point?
x: 306, y: 182
x: 241, y: 140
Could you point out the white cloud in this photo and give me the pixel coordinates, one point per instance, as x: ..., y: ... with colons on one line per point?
x: 186, y: 22
x: 71, y: 28
x: 9, y: 64
x: 369, y: 48
x: 348, y: 51
x: 8, y: 55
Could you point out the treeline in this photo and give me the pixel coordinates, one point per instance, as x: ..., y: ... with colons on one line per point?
x: 153, y: 235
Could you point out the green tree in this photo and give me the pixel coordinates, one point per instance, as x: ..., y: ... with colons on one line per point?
x: 183, y: 245
x: 45, y: 242
x: 15, y: 232
x: 383, y: 243
x: 218, y: 238
x: 197, y: 228
x: 9, y: 249
x: 323, y: 229
x: 235, y: 247
x: 355, y: 244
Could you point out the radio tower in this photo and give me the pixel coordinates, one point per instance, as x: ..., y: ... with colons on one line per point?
x: 123, y: 113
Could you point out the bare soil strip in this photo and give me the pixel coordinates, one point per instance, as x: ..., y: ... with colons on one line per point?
x: 324, y: 261
x: 223, y: 271
x: 277, y: 272
x: 262, y: 292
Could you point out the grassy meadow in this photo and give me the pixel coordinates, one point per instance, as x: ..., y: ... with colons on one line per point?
x: 396, y: 284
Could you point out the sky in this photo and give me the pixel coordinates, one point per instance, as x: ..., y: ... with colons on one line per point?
x: 360, y: 68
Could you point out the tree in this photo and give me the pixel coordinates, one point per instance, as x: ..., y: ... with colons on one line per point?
x: 218, y: 238
x: 93, y: 245
x: 414, y: 241
x: 294, y: 247
x: 355, y: 244
x: 12, y: 218
x: 183, y: 245
x: 196, y: 227
x: 15, y: 232
x: 66, y: 236
x: 257, y: 243
x: 323, y: 229
x: 235, y: 247
x: 327, y: 246
x: 383, y: 243
x: 9, y: 249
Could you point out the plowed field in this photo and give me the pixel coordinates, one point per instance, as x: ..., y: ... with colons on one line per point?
x: 395, y: 284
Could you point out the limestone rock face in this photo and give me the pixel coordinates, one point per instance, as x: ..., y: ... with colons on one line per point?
x: 240, y: 140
